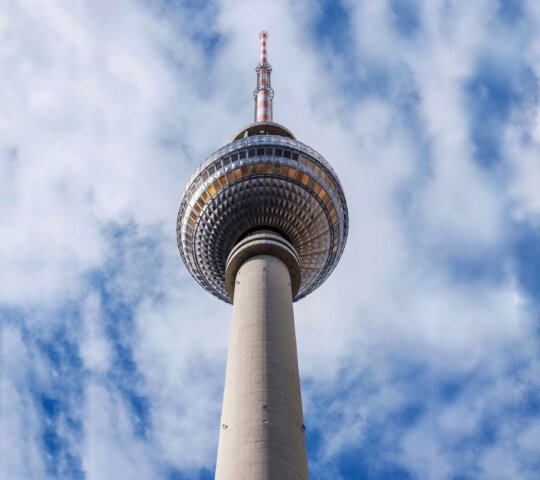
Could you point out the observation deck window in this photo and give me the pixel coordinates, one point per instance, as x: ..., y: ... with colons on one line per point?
x: 278, y: 152
x: 251, y: 153
x: 242, y: 154
x: 332, y: 211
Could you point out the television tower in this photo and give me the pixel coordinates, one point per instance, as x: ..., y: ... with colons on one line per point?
x: 262, y: 223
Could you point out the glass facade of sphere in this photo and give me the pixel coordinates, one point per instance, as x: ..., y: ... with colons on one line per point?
x: 262, y: 181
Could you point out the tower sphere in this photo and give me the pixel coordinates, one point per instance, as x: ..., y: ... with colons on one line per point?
x: 264, y: 179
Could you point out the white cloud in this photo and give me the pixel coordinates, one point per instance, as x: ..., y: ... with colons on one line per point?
x: 20, y: 429
x: 105, y: 111
x: 180, y: 350
x: 95, y: 348
x: 529, y: 439
x: 111, y: 449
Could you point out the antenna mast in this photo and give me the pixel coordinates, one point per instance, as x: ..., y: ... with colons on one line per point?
x: 263, y: 94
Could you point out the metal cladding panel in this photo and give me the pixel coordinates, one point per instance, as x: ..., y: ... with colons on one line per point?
x: 262, y: 181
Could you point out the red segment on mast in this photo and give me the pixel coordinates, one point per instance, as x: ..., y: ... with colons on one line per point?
x: 263, y: 94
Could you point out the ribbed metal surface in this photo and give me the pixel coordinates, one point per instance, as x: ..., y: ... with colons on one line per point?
x: 262, y: 181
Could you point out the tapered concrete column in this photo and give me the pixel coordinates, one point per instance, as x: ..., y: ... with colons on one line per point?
x: 262, y: 432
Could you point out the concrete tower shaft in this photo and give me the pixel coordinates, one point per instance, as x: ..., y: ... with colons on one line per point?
x: 262, y: 432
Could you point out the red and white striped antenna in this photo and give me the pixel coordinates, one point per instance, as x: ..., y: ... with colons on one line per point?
x: 263, y: 94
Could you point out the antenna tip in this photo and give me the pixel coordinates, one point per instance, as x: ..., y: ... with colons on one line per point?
x: 263, y: 34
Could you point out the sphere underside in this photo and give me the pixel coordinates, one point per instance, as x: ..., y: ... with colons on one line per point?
x: 262, y: 181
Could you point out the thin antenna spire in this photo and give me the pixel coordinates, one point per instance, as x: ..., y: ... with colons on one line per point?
x: 263, y: 94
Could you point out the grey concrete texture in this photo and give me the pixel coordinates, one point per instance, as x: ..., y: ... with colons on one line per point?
x: 263, y: 242
x: 262, y: 432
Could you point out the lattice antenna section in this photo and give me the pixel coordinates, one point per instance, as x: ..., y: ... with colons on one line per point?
x: 263, y: 94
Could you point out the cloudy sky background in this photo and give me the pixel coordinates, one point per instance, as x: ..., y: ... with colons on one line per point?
x: 420, y: 355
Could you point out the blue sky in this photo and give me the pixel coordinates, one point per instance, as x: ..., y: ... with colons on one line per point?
x: 419, y: 357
